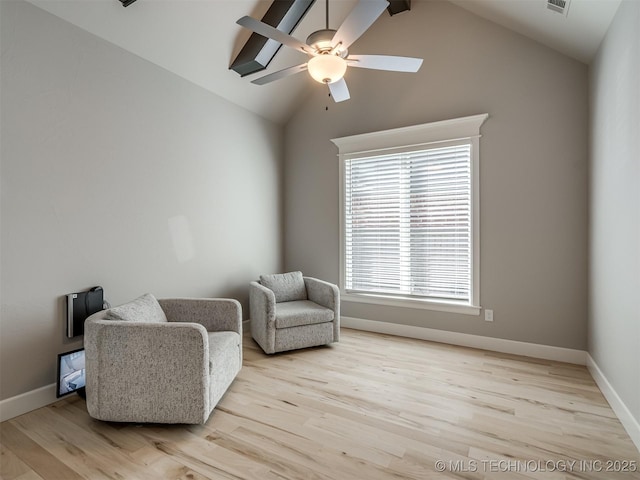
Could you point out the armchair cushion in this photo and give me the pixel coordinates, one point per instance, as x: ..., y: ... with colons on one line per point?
x: 287, y: 287
x: 144, y: 309
x: 301, y: 312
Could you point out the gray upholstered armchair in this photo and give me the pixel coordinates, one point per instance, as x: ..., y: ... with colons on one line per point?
x: 166, y: 361
x: 289, y: 311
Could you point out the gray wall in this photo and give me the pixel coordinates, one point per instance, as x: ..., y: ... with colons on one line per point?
x: 614, y: 309
x: 533, y: 171
x: 118, y: 173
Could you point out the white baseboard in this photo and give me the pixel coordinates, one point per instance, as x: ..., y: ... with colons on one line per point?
x: 535, y: 350
x: 630, y: 424
x: 26, y: 402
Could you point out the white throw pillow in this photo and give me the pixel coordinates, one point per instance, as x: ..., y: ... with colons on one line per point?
x: 143, y: 309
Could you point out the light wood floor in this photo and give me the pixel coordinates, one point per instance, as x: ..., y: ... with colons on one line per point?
x: 370, y: 407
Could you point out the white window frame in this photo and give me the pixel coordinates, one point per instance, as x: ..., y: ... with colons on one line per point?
x: 414, y: 138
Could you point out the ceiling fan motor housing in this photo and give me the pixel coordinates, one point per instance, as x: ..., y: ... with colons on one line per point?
x: 321, y: 42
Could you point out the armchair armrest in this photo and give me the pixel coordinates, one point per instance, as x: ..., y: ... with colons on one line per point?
x: 130, y: 361
x: 328, y: 295
x: 323, y: 293
x: 262, y: 310
x: 262, y: 303
x: 215, y: 314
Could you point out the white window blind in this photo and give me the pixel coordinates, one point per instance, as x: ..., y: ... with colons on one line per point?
x: 408, y: 225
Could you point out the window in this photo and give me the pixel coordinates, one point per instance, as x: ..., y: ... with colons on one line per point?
x: 410, y: 216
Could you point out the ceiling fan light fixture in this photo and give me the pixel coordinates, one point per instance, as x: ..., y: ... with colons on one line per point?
x: 327, y: 68
x: 329, y: 49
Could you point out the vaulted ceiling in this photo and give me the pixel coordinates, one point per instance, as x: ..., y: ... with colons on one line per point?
x: 198, y: 39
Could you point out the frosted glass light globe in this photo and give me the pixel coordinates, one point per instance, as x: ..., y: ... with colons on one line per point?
x: 327, y: 68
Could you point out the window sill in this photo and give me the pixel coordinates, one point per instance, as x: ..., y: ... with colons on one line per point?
x: 450, y: 307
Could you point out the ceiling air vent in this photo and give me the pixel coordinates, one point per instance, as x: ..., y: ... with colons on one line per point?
x: 560, y: 6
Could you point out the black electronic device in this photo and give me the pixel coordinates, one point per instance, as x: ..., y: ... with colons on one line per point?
x: 80, y: 306
x: 71, y: 373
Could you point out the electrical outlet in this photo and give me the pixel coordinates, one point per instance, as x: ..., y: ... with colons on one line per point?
x: 488, y: 315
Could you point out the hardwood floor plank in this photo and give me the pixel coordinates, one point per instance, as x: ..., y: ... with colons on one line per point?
x: 91, y: 455
x: 30, y: 475
x: 11, y: 467
x: 32, y: 454
x: 373, y: 407
x: 191, y: 447
x: 122, y: 439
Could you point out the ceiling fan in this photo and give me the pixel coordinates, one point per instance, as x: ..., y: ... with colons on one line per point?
x: 328, y: 49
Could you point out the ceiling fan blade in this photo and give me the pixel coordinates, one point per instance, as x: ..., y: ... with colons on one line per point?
x: 274, y: 34
x: 280, y: 74
x: 358, y: 21
x: 339, y: 91
x: 385, y: 62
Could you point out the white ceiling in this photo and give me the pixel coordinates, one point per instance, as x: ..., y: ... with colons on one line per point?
x: 198, y: 39
x: 578, y: 34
